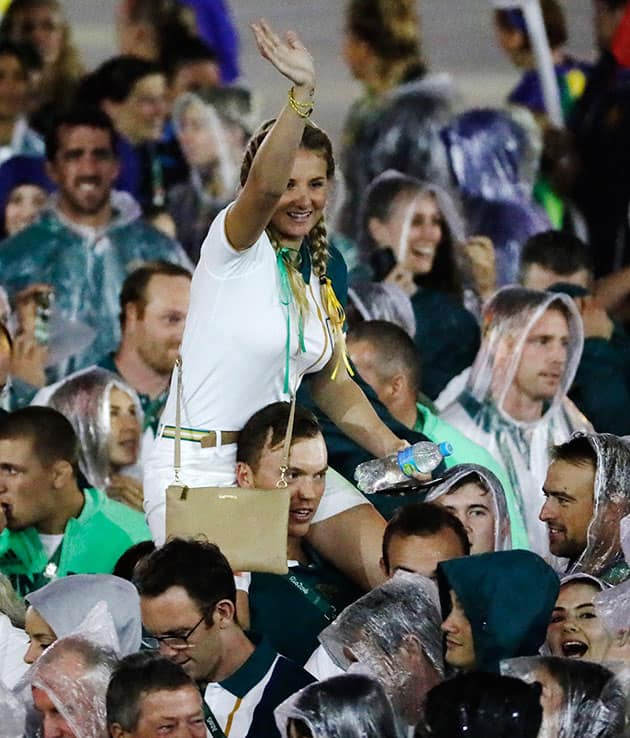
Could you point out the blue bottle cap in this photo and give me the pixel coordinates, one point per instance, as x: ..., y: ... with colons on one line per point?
x: 445, y: 448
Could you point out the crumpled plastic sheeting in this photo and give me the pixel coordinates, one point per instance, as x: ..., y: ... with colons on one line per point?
x: 486, y: 150
x: 458, y: 475
x: 384, y: 301
x: 612, y: 504
x: 494, y: 158
x: 83, y: 398
x: 346, y: 706
x: 613, y: 605
x: 374, y: 631
x: 64, y: 604
x: 580, y: 699
x: 74, y: 672
x: 12, y: 714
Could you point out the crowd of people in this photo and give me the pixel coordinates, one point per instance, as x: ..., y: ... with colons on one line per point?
x: 183, y: 311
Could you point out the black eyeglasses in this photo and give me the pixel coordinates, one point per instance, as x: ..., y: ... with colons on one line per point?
x: 177, y: 641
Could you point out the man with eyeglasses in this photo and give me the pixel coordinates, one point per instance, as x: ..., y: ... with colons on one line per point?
x: 188, y: 603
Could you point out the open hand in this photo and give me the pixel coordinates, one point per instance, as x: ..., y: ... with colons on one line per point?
x: 127, y: 490
x: 288, y: 55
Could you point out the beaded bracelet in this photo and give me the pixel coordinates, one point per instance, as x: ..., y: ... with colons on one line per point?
x: 303, y: 109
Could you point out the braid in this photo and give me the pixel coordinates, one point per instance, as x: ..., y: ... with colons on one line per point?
x: 319, y: 248
x: 252, y: 147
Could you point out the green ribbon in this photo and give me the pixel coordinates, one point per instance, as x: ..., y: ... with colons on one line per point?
x: 283, y: 255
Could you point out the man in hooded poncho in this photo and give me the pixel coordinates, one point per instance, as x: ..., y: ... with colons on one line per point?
x: 587, y: 497
x: 515, y: 400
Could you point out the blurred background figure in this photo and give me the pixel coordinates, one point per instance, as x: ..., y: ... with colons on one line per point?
x: 413, y: 236
x: 395, y: 124
x: 42, y: 24
x: 214, y: 171
x: 24, y: 189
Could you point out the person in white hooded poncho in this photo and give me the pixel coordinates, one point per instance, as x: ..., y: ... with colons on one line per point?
x: 515, y: 400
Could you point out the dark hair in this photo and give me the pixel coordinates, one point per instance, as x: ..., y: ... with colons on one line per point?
x: 51, y: 434
x: 553, y: 18
x: 268, y: 427
x: 195, y: 50
x: 613, y: 5
x: 115, y: 78
x: 134, y: 289
x: 422, y: 519
x: 137, y: 676
x: 127, y: 562
x: 479, y: 704
x: 90, y: 117
x: 577, y: 450
x: 445, y: 274
x: 172, y: 21
x: 390, y: 27
x: 345, y: 706
x: 22, y: 52
x: 560, y: 252
x: 379, y: 199
x: 196, y: 565
x: 395, y: 349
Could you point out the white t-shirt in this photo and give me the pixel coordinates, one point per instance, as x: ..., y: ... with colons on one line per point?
x: 233, y: 349
x: 50, y: 542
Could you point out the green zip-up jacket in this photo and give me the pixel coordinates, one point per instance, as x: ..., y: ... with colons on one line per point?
x: 92, y: 544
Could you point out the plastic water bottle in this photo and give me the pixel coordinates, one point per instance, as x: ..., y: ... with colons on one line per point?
x: 377, y: 474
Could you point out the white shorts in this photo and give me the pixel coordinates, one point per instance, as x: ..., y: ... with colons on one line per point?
x: 215, y: 467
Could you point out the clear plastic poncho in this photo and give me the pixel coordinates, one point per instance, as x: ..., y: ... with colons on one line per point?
x: 376, y: 631
x: 603, y: 556
x: 580, y: 699
x: 227, y: 170
x: 456, y: 475
x: 346, y: 706
x: 493, y: 156
x: 64, y: 604
x: 522, y: 447
x: 384, y: 301
x: 83, y: 398
x: 12, y: 713
x: 613, y: 605
x: 74, y: 673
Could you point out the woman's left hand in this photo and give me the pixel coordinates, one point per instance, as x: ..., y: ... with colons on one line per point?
x: 480, y: 251
x: 288, y: 55
x: 126, y: 490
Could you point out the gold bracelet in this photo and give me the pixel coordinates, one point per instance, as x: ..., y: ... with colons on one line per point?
x: 302, y: 109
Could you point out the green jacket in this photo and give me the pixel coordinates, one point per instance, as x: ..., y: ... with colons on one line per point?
x: 507, y: 596
x: 92, y: 544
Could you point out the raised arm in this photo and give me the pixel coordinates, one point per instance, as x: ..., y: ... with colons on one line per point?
x: 273, y: 162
